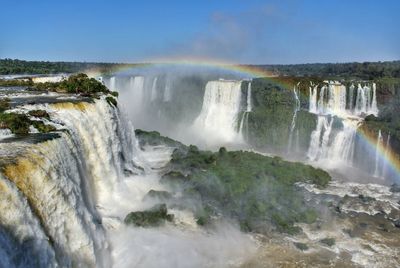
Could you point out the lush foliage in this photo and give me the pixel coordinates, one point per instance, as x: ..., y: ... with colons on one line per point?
x: 365, y: 70
x: 269, y: 124
x: 10, y: 66
x: 256, y: 190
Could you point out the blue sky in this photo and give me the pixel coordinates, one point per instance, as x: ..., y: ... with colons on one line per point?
x: 242, y: 31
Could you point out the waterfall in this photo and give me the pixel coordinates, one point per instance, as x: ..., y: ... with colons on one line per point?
x: 379, y: 144
x: 319, y: 138
x: 338, y: 146
x: 167, y: 90
x: 313, y: 99
x: 337, y: 98
x: 351, y: 97
x: 221, y: 106
x: 153, y: 96
x: 55, y: 191
x: 136, y: 86
x: 245, y: 117
x: 112, y: 83
x: 293, y: 124
x: 333, y: 99
x: 248, y: 109
x: 387, y: 154
x: 374, y: 105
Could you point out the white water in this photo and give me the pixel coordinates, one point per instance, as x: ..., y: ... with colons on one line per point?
x: 112, y: 84
x: 336, y: 147
x: 244, y: 122
x: 332, y: 99
x: 154, y: 90
x: 167, y: 90
x: 379, y: 145
x: 78, y: 187
x: 218, y: 117
x: 293, y: 124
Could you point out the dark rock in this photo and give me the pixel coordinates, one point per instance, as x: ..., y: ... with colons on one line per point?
x: 153, y: 217
x: 395, y: 188
x: 39, y: 113
x: 397, y: 223
x: 328, y: 241
x: 158, y: 194
x: 301, y: 246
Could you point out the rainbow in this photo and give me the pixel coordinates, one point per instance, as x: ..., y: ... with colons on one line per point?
x: 387, y: 156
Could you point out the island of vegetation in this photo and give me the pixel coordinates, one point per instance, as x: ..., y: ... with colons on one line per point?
x: 258, y: 191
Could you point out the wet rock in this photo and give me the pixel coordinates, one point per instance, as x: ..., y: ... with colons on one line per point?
x: 395, y: 188
x: 328, y: 241
x: 153, y: 217
x: 397, y: 223
x: 366, y: 199
x: 301, y: 246
x: 158, y: 194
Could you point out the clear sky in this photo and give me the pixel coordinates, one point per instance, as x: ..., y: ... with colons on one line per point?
x: 242, y: 31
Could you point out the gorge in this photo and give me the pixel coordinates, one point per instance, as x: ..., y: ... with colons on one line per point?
x: 236, y: 176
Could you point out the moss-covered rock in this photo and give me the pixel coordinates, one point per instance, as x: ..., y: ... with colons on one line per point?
x: 154, y: 138
x: 42, y: 127
x: 4, y: 104
x: 39, y: 113
x: 153, y: 217
x: 301, y: 246
x: 112, y: 101
x: 162, y: 195
x: 17, y: 123
x: 328, y: 242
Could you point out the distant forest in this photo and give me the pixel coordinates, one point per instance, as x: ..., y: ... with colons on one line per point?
x: 354, y: 70
x: 11, y: 66
x: 364, y: 71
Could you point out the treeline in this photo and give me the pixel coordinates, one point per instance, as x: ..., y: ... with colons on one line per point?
x: 14, y: 66
x: 354, y: 70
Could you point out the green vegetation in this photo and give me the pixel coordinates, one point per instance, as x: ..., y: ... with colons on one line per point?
x: 328, y: 241
x: 17, y: 123
x: 4, y: 104
x: 78, y: 83
x: 155, y: 216
x: 356, y: 70
x: 256, y: 190
x: 39, y: 113
x: 42, y: 127
x: 20, y: 123
x: 154, y: 138
x: 269, y: 123
x: 16, y: 83
x: 301, y: 246
x: 10, y: 66
x: 112, y: 101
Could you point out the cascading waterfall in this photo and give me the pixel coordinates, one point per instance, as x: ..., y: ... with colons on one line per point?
x: 72, y: 178
x: 221, y: 106
x: 167, y: 90
x: 112, y: 83
x: 154, y: 90
x: 320, y: 138
x: 245, y: 116
x: 387, y: 151
x: 379, y: 145
x: 333, y: 100
x: 293, y: 124
x: 313, y: 99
